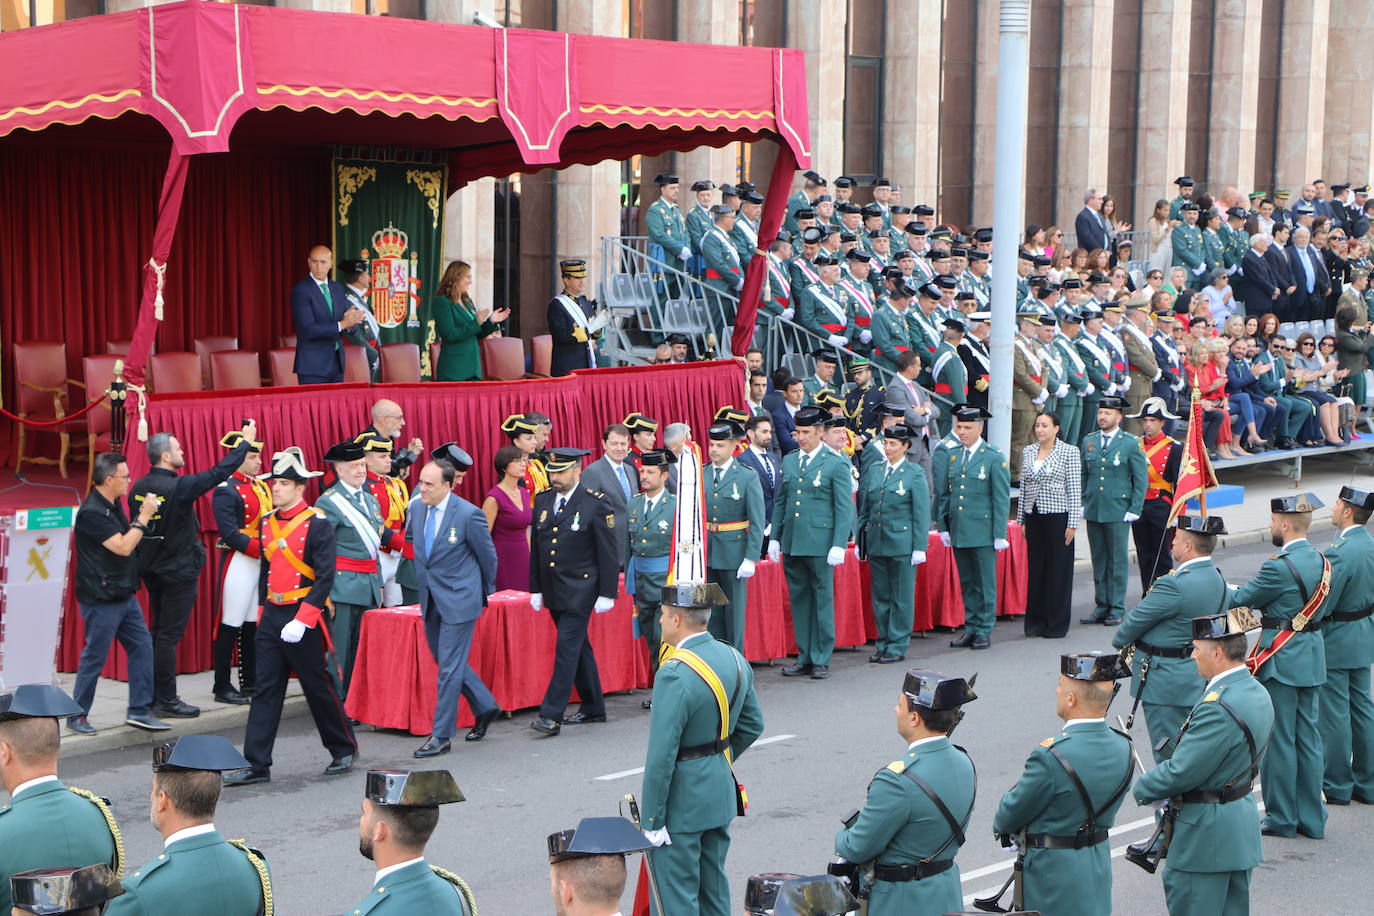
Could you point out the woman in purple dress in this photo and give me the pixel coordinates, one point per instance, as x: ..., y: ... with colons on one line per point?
x: 509, y: 510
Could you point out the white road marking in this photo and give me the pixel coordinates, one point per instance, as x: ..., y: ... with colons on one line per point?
x: 637, y: 770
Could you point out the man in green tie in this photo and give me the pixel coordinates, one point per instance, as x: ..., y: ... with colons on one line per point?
x: 320, y: 312
x: 894, y: 528
x: 1114, y: 484
x: 735, y: 520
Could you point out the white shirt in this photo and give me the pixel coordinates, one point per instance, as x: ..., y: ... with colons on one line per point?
x: 1295, y: 541
x: 563, y: 499
x: 892, y: 466
x: 1345, y: 531
x: 722, y: 467
x: 1186, y: 563
x: 1213, y: 681
x: 919, y: 741
x: 186, y: 833
x: 383, y: 872
x: 1068, y: 722
x: 971, y: 450
x: 809, y: 456
x: 1107, y: 436
x: 651, y: 501
x: 30, y: 784
x: 351, y: 491
x: 687, y: 639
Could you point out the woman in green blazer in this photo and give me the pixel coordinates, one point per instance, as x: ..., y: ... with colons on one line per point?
x: 459, y: 324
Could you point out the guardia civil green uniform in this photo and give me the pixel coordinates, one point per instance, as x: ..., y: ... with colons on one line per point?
x: 1070, y: 409
x: 665, y: 225
x: 894, y: 523
x: 1178, y: 203
x: 723, y: 271
x: 891, y: 337
x: 950, y: 376
x: 1294, y: 762
x: 650, y: 530
x: 901, y: 828
x: 972, y: 504
x: 698, y: 222
x: 1114, y: 483
x: 1347, y: 712
x: 812, y: 518
x: 1208, y: 775
x: 689, y: 787
x: 1066, y: 800
x: 813, y: 385
x: 1190, y: 250
x: 1097, y: 363
x: 735, y: 519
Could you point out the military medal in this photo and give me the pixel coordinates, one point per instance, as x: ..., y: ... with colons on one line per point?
x: 543, y: 516
x: 734, y: 491
x: 577, y: 521
x: 817, y: 481
x: 983, y: 473
x: 901, y: 488
x: 663, y: 524
x: 452, y: 536
x: 1116, y: 461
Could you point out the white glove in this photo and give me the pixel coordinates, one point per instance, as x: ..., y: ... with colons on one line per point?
x: 740, y: 284
x: 865, y: 336
x: 1040, y: 399
x: 293, y: 631
x: 835, y: 340
x: 1000, y: 544
x: 1159, y: 373
x: 787, y: 314
x: 767, y: 529
x: 1089, y: 391
x: 774, y: 551
x: 1013, y: 847
x: 603, y: 605
x: 746, y: 569
x: 537, y: 601
x: 1197, y: 271
x: 835, y: 557
x: 1109, y: 390
x: 944, y: 538
x: 1062, y: 390
x: 685, y: 253
x: 658, y: 837
x: 1130, y: 517
x: 1124, y: 386
x: 918, y: 557
x: 1177, y: 385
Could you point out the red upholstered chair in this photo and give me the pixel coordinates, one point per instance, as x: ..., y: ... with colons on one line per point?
x: 40, y: 374
x: 287, y: 341
x: 356, y: 368
x: 169, y: 373
x: 98, y: 373
x: 503, y: 358
x: 235, y: 369
x: 541, y: 355
x: 434, y: 349
x: 204, y: 346
x: 121, y: 347
x: 400, y: 362
x: 280, y: 361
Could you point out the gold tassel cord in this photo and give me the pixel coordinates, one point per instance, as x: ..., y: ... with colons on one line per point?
x: 104, y: 808
x: 459, y: 883
x: 264, y: 878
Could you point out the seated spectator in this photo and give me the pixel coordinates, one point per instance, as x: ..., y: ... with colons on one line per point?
x: 1308, y: 370
x: 1220, y: 299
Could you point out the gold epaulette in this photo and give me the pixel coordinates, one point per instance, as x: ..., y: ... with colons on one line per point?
x: 1048, y: 742
x: 1212, y: 697
x: 897, y: 766
x: 104, y: 807
x: 256, y: 859
x: 463, y: 890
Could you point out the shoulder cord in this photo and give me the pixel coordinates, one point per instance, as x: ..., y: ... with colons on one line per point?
x: 104, y: 808
x: 463, y: 890
x: 264, y: 879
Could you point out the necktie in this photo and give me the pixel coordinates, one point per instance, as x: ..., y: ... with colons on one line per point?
x: 968, y: 456
x: 716, y: 472
x: 887, y: 473
x: 431, y: 529
x: 806, y: 459
x: 1106, y: 441
x: 624, y: 480
x: 324, y: 289
x: 558, y: 508
x: 362, y: 501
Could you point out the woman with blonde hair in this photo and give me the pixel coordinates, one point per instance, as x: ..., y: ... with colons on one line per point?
x: 460, y: 324
x: 1161, y: 236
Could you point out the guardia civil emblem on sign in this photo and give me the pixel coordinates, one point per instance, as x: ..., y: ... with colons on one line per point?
x: 395, y: 279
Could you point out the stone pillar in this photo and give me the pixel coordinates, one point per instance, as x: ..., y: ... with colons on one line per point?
x: 1298, y: 148
x: 911, y: 98
x: 712, y: 22
x: 1349, y: 133
x: 1162, y: 115
x: 986, y: 44
x: 1084, y: 105
x: 818, y: 28
x: 1235, y: 93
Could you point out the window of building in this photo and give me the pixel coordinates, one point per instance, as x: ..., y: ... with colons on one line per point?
x: 863, y: 89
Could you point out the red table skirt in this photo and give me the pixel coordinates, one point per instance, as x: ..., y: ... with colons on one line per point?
x: 394, y: 676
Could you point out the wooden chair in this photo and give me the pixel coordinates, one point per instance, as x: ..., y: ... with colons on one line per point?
x: 231, y: 369
x: 170, y: 373
x: 503, y: 358
x: 356, y: 368
x: 97, y: 372
x: 541, y: 355
x: 204, y: 346
x: 434, y: 349
x: 40, y: 373
x: 280, y: 362
x: 400, y: 362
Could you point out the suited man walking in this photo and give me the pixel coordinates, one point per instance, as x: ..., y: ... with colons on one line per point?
x: 1089, y: 224
x: 455, y: 570
x: 322, y: 315
x: 615, y: 478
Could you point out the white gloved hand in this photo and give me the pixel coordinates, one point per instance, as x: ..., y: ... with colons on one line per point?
x: 537, y: 601
x: 1062, y: 390
x: 685, y: 253
x: 1130, y: 517
x: 740, y: 284
x: 835, y: 340
x: 1159, y: 373
x: 918, y: 557
x: 1040, y: 398
x: 1089, y: 391
x: 865, y: 336
x: 944, y: 538
x: 1197, y: 271
x: 293, y: 631
x: 774, y: 551
x: 787, y: 314
x: 746, y: 569
x: 1000, y: 544
x: 658, y: 837
x: 1178, y: 385
x: 835, y: 557
x: 603, y: 605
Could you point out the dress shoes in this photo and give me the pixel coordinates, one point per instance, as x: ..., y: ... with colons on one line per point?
x: 79, y: 725
x: 796, y: 670
x: 963, y: 642
x: 581, y: 718
x: 479, y: 731
x: 340, y: 765
x: 1110, y: 621
x: 547, y: 726
x: 876, y: 657
x: 1090, y: 619
x: 890, y: 657
x: 980, y: 642
x: 245, y: 777
x: 233, y: 697
x: 1270, y: 831
x: 433, y: 747
x: 175, y: 708
x: 147, y: 723
x: 1338, y: 801
x: 820, y: 672
x: 646, y: 704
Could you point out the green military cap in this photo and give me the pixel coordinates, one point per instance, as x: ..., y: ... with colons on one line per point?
x: 934, y: 691
x: 232, y: 440
x: 54, y: 891
x: 1236, y: 622
x: 818, y: 895
x: 454, y: 455
x: 1293, y: 505
x: 658, y: 458
x: 1028, y: 313
x: 827, y: 398
x: 517, y: 425
x: 697, y: 596
x: 597, y: 836
x: 1093, y: 666
x: 1198, y: 524
x: 1360, y: 499
x: 37, y: 701
x: 761, y: 892
x: 1282, y: 194
x: 412, y: 788
x: 1258, y: 195
x: 198, y: 752
x: 561, y: 459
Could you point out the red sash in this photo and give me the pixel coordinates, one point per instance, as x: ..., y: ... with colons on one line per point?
x: 1259, y: 656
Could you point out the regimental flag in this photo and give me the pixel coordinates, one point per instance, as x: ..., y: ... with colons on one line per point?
x: 1195, y: 473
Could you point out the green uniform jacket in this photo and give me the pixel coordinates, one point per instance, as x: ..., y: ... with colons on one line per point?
x: 738, y: 498
x: 1176, y: 207
x: 363, y: 589
x: 666, y: 228
x: 891, y: 337
x: 924, y: 333
x: 1188, y: 247
x: 412, y: 890
x: 815, y: 513
x: 721, y: 257
x: 1069, y: 882
x: 205, y: 868
x: 975, y: 500
x: 1350, y: 644
x: 798, y: 201
x: 1213, y: 251
x: 49, y: 826
x: 1302, y: 660
x: 1211, y: 753
x: 949, y: 374
x: 1099, y: 372
x: 802, y: 274
x: 1114, y: 478
x: 689, y: 796
x: 1075, y: 370
x: 1164, y: 619
x: 650, y: 536
x: 777, y: 284
x: 1234, y: 244
x: 456, y: 324
x: 745, y: 235
x: 894, y: 513
x: 813, y: 385
x: 698, y: 223
x: 822, y: 310
x: 900, y: 825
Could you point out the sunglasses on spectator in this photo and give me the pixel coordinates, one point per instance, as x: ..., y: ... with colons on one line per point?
x: 1306, y: 343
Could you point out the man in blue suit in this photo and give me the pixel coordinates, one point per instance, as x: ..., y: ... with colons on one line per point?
x: 1089, y: 224
x: 455, y: 570
x: 319, y: 308
x: 784, y: 427
x: 760, y: 458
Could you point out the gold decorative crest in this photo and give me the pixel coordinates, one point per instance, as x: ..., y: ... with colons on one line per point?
x: 431, y: 184
x: 351, y: 178
x: 610, y: 521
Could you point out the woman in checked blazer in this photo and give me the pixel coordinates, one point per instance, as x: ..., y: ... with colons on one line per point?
x: 1050, y: 511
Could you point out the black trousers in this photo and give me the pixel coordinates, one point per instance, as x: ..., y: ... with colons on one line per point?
x: 1152, y: 551
x: 171, y: 604
x: 1049, y: 574
x: 574, y: 665
x: 276, y: 661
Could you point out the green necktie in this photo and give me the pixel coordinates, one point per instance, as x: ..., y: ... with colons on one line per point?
x: 806, y: 459
x: 324, y: 288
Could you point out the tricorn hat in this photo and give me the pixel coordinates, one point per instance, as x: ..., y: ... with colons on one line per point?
x: 345, y: 451
x: 198, y: 752
x: 412, y: 788
x: 658, y: 458
x: 1197, y: 524
x: 454, y: 455
x: 761, y: 892
x: 818, y: 895
x: 1093, y: 666
x: 1236, y: 622
x: 289, y: 464
x: 934, y: 691
x: 1292, y: 505
x: 232, y: 440
x: 1154, y: 408
x: 696, y: 597
x: 52, y: 891
x: 37, y: 701
x: 597, y: 836
x: 1360, y: 499
x: 725, y: 431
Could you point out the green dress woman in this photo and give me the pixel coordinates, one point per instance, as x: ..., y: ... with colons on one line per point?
x: 459, y: 325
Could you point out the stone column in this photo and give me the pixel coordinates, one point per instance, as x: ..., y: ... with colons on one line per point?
x: 1235, y: 93
x: 817, y: 27
x: 1298, y: 148
x: 1349, y: 153
x: 985, y: 109
x: 1084, y: 105
x: 712, y: 22
x: 1162, y: 116
x: 911, y: 98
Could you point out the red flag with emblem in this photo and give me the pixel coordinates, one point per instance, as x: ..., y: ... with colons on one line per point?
x: 1195, y: 473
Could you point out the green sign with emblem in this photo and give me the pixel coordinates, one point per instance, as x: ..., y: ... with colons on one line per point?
x: 47, y: 517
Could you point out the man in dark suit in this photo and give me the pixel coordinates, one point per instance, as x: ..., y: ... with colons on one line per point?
x: 761, y: 458
x: 615, y: 478
x: 1309, y: 276
x: 570, y: 318
x: 1257, y: 286
x: 574, y: 561
x: 793, y: 393
x: 1089, y: 224
x: 455, y: 570
x: 322, y: 315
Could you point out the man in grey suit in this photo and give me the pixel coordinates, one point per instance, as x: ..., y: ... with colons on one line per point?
x: 921, y: 410
x: 455, y: 570
x: 615, y: 477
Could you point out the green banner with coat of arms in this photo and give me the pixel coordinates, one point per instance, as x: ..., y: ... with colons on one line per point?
x: 389, y: 211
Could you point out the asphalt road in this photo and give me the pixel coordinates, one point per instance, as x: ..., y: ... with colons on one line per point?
x: 822, y: 743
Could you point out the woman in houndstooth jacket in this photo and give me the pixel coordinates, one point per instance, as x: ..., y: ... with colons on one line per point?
x: 1050, y: 511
